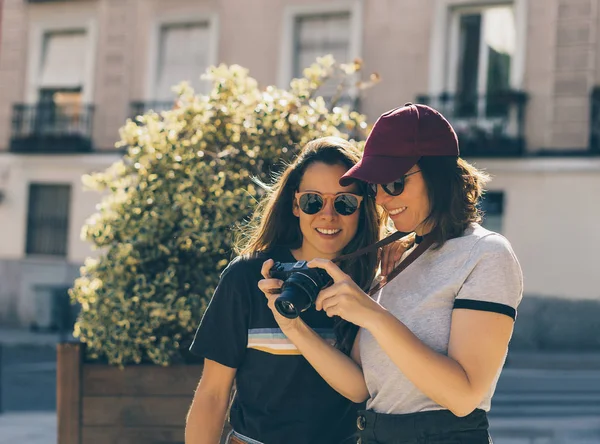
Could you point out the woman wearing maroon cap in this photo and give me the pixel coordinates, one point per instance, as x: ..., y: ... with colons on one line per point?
x: 434, y: 338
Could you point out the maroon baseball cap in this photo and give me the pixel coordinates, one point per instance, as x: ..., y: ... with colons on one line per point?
x: 398, y: 140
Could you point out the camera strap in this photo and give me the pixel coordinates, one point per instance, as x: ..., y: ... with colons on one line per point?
x: 421, y: 248
x: 373, y: 247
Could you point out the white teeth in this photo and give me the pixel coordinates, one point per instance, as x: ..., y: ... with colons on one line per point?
x: 324, y: 231
x: 396, y: 211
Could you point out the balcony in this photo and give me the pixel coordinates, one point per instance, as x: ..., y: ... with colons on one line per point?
x: 487, y: 126
x: 141, y: 107
x: 595, y: 121
x: 48, y: 128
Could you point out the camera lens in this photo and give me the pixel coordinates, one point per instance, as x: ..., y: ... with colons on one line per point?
x: 297, y: 294
x: 287, y: 309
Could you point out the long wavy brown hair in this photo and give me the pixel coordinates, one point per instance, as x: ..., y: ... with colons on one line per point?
x: 274, y: 224
x: 454, y: 188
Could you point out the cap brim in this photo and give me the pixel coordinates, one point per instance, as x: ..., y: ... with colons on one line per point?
x: 379, y: 169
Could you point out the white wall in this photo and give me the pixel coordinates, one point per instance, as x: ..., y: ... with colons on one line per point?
x: 552, y: 219
x: 22, y: 276
x: 20, y: 171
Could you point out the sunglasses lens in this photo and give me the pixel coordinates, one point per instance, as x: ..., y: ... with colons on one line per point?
x: 345, y: 204
x: 310, y: 203
x: 394, y: 188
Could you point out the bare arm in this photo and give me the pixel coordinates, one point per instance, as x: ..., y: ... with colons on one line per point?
x: 340, y: 371
x: 205, y: 419
x: 459, y: 381
x: 336, y: 368
x: 477, y: 345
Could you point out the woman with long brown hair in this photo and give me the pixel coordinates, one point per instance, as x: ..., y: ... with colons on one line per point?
x: 434, y: 336
x: 305, y: 214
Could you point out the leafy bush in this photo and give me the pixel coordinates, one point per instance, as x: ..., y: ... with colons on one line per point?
x: 164, y: 227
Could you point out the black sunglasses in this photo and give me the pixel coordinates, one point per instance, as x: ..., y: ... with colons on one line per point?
x: 394, y: 188
x: 345, y: 204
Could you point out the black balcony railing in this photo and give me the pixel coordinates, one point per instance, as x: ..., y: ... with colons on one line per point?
x: 141, y: 107
x: 595, y: 121
x: 491, y: 125
x: 49, y: 128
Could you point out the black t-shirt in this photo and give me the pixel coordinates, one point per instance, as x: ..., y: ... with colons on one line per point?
x: 280, y: 397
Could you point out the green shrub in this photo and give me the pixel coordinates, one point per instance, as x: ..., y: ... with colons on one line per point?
x: 164, y: 227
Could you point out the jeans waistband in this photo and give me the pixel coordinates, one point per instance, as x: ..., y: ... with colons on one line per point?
x: 385, y: 428
x: 235, y: 437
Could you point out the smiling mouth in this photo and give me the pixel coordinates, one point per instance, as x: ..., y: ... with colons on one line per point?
x: 396, y: 211
x: 328, y: 232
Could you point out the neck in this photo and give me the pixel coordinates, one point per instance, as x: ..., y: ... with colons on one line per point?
x: 306, y: 254
x: 423, y: 229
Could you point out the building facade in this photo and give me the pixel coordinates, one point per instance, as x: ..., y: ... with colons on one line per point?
x: 516, y: 78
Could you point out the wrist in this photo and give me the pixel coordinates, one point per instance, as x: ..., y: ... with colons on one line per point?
x: 375, y: 318
x: 294, y: 327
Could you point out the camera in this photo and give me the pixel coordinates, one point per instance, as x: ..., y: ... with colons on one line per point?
x: 301, y: 286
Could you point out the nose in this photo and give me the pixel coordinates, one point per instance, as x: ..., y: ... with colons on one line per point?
x: 381, y: 197
x: 328, y: 210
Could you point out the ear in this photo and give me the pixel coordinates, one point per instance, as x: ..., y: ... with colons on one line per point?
x: 295, y: 208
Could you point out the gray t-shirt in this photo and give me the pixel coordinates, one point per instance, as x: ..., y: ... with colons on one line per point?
x: 477, y: 271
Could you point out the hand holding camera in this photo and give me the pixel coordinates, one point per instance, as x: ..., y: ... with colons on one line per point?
x: 294, y: 287
x: 272, y: 289
x: 301, y: 286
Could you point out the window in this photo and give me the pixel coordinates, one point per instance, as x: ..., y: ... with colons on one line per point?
x: 63, y: 60
x: 492, y: 206
x: 320, y: 35
x: 48, y: 219
x: 59, y: 108
x: 183, y: 56
x: 483, y: 44
x: 59, y: 111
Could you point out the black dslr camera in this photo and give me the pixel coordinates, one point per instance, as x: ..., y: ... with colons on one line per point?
x: 301, y: 286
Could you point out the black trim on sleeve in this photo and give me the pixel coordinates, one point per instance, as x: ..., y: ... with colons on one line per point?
x: 494, y: 307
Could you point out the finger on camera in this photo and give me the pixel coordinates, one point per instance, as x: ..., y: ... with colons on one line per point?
x: 270, y: 286
x: 332, y: 311
x: 271, y: 300
x: 332, y: 269
x: 266, y: 268
x: 327, y: 293
x: 331, y: 302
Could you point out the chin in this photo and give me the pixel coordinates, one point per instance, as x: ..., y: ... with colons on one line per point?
x: 331, y: 251
x: 404, y: 228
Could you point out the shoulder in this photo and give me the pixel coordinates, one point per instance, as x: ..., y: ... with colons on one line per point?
x: 493, y: 255
x: 242, y: 266
x: 478, y: 245
x: 492, y: 272
x: 485, y: 242
x: 477, y: 239
x: 251, y: 264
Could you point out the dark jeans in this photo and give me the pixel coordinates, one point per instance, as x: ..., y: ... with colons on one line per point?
x: 435, y: 427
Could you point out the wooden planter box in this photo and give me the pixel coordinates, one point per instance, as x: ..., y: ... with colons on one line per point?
x: 99, y: 404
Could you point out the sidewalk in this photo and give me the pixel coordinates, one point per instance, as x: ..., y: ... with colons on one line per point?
x: 553, y: 430
x: 28, y: 427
